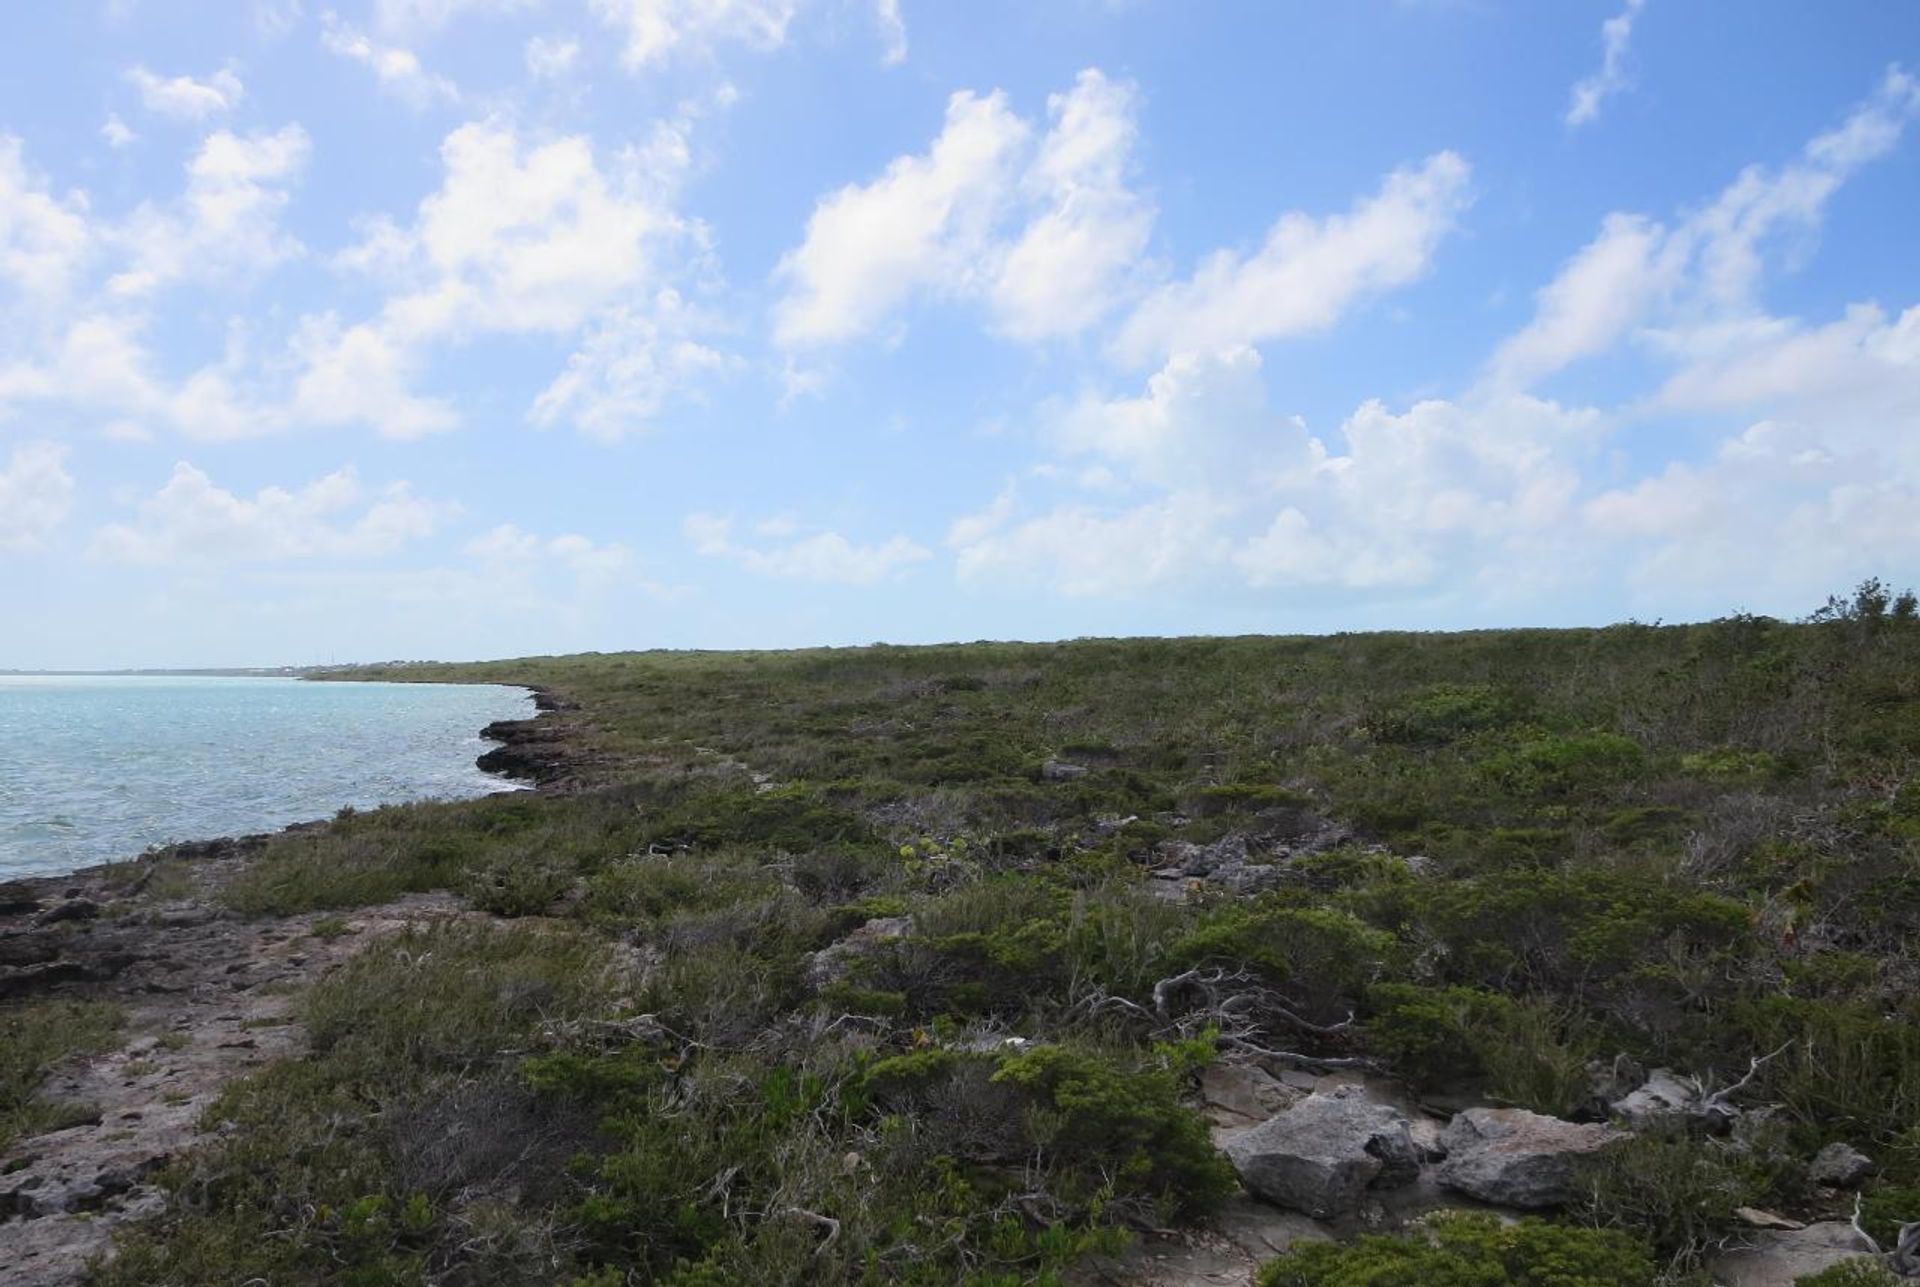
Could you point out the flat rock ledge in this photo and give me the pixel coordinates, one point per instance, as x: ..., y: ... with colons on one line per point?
x: 1513, y: 1158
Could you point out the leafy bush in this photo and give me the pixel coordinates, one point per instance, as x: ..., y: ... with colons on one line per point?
x: 1562, y: 765
x: 524, y: 885
x: 1512, y: 1049
x: 33, y: 1038
x: 1444, y: 714
x: 1469, y: 1250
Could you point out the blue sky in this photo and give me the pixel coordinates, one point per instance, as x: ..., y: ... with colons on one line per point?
x: 468, y: 328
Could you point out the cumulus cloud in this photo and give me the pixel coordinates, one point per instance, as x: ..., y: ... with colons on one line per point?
x: 227, y: 223
x: 184, y: 98
x: 1067, y: 268
x: 1044, y: 232
x: 1616, y: 33
x: 631, y: 365
x: 1708, y: 263
x: 826, y: 557
x: 512, y: 548
x: 528, y: 237
x: 549, y: 57
x: 1308, y: 272
x: 1217, y: 488
x: 44, y: 239
x: 36, y: 494
x: 413, y: 17
x: 893, y: 30
x: 398, y: 69
x: 656, y: 30
x: 192, y: 519
x: 925, y: 223
x: 116, y: 133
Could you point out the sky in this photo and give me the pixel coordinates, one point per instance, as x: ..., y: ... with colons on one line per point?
x: 478, y: 328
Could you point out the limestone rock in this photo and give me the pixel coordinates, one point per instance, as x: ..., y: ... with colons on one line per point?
x: 1663, y: 1098
x: 1321, y: 1155
x: 1777, y: 1257
x: 1840, y: 1165
x: 1241, y: 1095
x: 1514, y: 1158
x: 835, y: 961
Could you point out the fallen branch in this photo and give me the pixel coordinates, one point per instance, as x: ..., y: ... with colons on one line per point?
x: 831, y: 1225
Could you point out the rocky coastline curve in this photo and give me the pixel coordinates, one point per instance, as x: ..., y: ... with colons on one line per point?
x: 205, y: 998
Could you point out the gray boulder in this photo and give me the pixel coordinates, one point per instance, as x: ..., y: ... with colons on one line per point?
x: 1780, y: 1257
x: 1061, y: 771
x: 834, y: 962
x: 1242, y: 1095
x: 1841, y: 1165
x: 1664, y: 1097
x: 1321, y: 1156
x: 1514, y: 1158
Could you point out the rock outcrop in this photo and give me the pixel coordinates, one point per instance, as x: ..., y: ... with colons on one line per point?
x: 1840, y: 1165
x: 1322, y: 1155
x: 1779, y: 1257
x: 834, y: 962
x: 1514, y: 1158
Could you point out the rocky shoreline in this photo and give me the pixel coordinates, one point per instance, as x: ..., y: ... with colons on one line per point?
x: 205, y: 997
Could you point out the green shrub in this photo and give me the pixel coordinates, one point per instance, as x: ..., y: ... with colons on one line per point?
x: 1444, y: 714
x: 1513, y: 1050
x: 34, y: 1038
x: 523, y: 885
x: 1859, y: 1272
x: 1469, y: 1250
x: 1677, y: 1192
x: 1562, y: 765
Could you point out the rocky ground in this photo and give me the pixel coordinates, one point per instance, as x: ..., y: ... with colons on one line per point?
x: 206, y: 998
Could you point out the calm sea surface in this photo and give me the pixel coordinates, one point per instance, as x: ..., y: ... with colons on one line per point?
x: 94, y: 768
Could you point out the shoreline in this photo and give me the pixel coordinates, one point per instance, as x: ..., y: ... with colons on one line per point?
x: 528, y: 770
x: 203, y: 996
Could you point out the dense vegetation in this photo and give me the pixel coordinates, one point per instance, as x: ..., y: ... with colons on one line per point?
x: 1503, y: 854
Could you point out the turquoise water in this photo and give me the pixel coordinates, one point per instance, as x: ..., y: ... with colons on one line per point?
x: 94, y: 768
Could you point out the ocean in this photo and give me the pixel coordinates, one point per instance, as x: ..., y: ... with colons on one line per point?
x: 101, y: 767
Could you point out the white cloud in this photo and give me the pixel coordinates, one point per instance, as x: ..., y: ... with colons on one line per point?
x: 826, y: 557
x: 549, y: 57
x: 44, y: 240
x: 532, y: 237
x: 1065, y: 272
x: 523, y: 237
x: 1603, y: 290
x: 183, y: 97
x: 397, y: 68
x: 511, y: 548
x: 191, y: 519
x: 893, y: 30
x: 656, y: 30
x: 1045, y: 235
x: 926, y: 222
x: 1615, y: 35
x: 1308, y: 272
x: 361, y: 375
x: 116, y: 133
x: 36, y: 494
x: 632, y: 363
x: 1708, y: 265
x: 410, y: 17
x: 226, y: 223
x: 1209, y: 486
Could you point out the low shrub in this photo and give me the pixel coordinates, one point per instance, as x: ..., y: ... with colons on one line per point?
x: 1458, y: 1249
